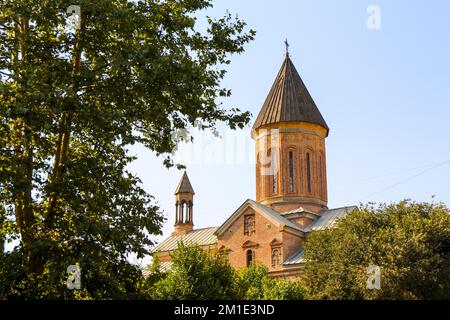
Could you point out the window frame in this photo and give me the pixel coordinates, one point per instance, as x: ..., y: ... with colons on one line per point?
x: 321, y: 175
x: 249, y: 253
x: 291, y: 169
x: 273, y: 171
x: 308, y: 171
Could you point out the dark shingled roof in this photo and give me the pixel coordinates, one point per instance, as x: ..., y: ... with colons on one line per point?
x: 289, y: 100
x: 185, y: 185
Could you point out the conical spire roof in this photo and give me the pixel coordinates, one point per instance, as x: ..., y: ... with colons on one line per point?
x: 289, y: 100
x: 185, y: 185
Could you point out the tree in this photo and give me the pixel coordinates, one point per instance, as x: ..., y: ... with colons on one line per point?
x: 152, y: 275
x: 3, y: 229
x: 196, y: 275
x: 251, y: 282
x: 199, y: 275
x: 73, y: 99
x: 254, y: 283
x: 409, y: 241
x: 281, y: 289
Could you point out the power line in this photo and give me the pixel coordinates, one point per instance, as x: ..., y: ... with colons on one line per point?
x: 380, y: 176
x: 407, y: 179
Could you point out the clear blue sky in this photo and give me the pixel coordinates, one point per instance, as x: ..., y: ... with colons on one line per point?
x: 385, y: 95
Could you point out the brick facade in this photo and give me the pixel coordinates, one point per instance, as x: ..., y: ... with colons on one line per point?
x: 266, y: 238
x: 291, y: 142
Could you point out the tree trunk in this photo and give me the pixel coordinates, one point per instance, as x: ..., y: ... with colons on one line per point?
x: 62, y: 148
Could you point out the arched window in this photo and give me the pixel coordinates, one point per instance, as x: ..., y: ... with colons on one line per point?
x: 259, y: 176
x: 273, y: 166
x: 321, y: 174
x: 276, y: 255
x: 308, y: 170
x: 181, y: 211
x: 291, y: 171
x: 189, y: 212
x: 249, y: 257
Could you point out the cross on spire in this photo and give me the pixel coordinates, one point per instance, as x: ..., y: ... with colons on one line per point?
x: 286, y: 43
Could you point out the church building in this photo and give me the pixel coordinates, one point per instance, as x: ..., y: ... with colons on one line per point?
x: 291, y: 188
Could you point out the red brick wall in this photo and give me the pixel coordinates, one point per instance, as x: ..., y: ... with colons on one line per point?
x: 299, y: 138
x: 265, y: 233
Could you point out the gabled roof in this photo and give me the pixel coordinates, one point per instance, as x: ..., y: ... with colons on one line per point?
x: 185, y: 185
x: 289, y: 100
x: 299, y: 210
x: 201, y: 237
x: 267, y: 212
x: 329, y: 218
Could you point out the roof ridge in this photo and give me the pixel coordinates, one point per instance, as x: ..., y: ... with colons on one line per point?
x: 344, y: 207
x: 203, y: 228
x: 279, y: 216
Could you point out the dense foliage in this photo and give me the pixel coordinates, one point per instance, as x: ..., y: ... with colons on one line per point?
x: 254, y: 283
x: 72, y: 101
x: 409, y: 241
x: 198, y: 275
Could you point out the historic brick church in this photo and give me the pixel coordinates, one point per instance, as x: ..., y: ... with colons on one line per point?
x: 291, y: 188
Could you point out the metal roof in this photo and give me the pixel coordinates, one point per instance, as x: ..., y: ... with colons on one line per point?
x: 277, y: 216
x: 201, y: 237
x: 163, y: 267
x: 329, y: 218
x: 297, y: 257
x: 326, y: 220
x: 289, y: 100
x: 298, y: 210
x: 185, y: 185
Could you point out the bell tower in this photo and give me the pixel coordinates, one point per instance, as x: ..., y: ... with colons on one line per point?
x: 289, y: 135
x: 184, y: 201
